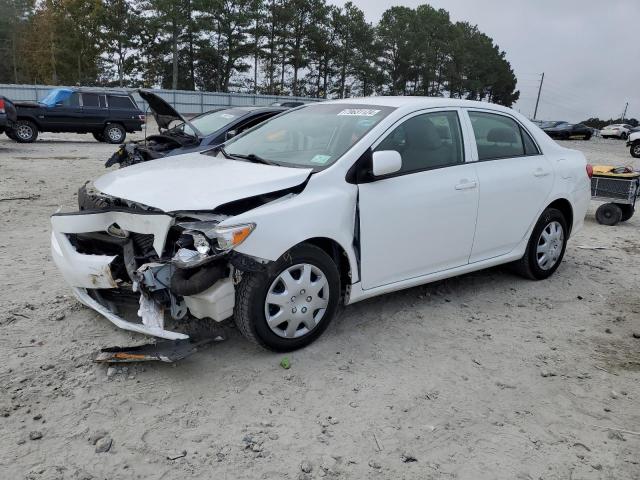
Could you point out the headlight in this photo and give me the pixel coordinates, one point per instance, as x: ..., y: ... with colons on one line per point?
x: 232, y: 236
x: 226, y: 237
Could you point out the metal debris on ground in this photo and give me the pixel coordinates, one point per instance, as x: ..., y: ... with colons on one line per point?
x: 169, y: 351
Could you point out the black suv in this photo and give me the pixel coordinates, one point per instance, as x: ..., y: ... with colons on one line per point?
x: 107, y: 115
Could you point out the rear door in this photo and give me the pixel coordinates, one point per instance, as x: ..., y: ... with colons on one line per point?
x: 421, y: 219
x: 515, y: 181
x: 94, y: 111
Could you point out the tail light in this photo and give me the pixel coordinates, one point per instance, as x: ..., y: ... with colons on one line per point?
x: 589, y: 170
x: 1, y: 105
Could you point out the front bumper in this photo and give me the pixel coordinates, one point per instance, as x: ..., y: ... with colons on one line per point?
x: 88, y: 273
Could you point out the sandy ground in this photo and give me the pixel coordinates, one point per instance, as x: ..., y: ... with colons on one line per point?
x: 486, y: 376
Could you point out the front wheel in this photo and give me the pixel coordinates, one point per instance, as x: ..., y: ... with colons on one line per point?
x: 587, y: 136
x: 289, y: 304
x: 635, y: 150
x: 546, y: 246
x: 114, y: 133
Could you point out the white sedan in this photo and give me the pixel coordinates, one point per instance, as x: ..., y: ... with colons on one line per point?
x: 327, y: 204
x: 616, y: 130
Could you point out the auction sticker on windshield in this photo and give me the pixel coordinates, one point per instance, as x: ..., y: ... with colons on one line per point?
x: 359, y: 112
x: 320, y: 159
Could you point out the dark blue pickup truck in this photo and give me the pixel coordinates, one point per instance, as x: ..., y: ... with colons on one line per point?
x: 107, y: 115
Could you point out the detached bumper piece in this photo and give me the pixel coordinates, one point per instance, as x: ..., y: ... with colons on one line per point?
x: 162, y: 351
x: 155, y: 330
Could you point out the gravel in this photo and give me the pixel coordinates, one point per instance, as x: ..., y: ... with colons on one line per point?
x: 450, y: 372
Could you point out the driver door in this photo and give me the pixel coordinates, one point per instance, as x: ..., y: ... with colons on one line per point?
x: 421, y: 219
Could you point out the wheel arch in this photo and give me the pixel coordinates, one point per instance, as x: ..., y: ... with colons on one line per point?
x: 339, y: 256
x: 565, y: 207
x: 30, y: 119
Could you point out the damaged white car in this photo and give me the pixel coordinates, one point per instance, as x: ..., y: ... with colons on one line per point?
x: 322, y: 206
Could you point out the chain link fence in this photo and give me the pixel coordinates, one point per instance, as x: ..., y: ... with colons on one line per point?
x: 184, y: 101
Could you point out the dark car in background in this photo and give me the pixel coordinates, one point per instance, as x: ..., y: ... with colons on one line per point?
x: 107, y: 115
x: 566, y: 130
x: 8, y: 114
x: 177, y: 135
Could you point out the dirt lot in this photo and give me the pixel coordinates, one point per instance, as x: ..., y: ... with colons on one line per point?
x: 487, y: 376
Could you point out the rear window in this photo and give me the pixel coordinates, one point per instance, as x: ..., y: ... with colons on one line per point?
x: 121, y: 103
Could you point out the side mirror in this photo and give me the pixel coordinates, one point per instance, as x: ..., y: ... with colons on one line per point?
x: 386, y: 162
x: 230, y: 134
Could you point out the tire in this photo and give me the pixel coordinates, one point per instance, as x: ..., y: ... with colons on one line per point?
x: 627, y: 211
x: 25, y: 131
x: 551, y: 230
x: 624, y: 135
x: 587, y: 136
x: 98, y: 136
x: 252, y: 308
x: 635, y: 149
x: 114, y: 133
x: 608, y: 214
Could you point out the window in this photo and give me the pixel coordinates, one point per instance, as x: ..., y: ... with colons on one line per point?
x: 315, y: 135
x: 72, y: 100
x: 426, y: 141
x: 90, y: 100
x: 103, y: 101
x: 498, y: 136
x: 121, y: 103
x: 530, y: 147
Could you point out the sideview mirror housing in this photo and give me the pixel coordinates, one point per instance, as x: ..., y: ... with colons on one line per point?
x: 386, y: 162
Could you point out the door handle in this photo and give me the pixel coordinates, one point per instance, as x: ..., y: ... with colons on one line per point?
x: 541, y: 173
x: 466, y: 185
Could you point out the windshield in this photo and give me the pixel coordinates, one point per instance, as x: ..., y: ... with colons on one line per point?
x: 312, y: 136
x: 54, y: 96
x: 210, y: 122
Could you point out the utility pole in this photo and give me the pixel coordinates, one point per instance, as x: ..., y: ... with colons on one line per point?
x: 626, y: 105
x: 538, y: 99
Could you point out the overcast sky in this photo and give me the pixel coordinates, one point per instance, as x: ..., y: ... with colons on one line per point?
x: 587, y: 50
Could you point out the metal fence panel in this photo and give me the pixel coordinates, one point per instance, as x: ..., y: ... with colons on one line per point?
x: 184, y: 101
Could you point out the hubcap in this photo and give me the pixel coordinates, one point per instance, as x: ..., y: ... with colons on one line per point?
x: 296, y: 301
x: 636, y: 150
x: 24, y: 132
x: 550, y: 245
x: 114, y: 134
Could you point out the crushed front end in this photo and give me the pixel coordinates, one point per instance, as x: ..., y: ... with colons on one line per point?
x: 138, y: 266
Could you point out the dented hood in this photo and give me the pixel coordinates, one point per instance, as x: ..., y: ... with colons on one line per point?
x: 197, y: 182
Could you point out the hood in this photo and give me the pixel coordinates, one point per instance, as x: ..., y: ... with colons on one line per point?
x: 197, y: 182
x: 162, y: 111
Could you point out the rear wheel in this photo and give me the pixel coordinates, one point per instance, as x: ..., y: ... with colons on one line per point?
x: 98, y: 136
x: 635, y: 149
x: 289, y: 304
x: 587, y: 136
x: 546, y: 246
x: 25, y: 131
x: 627, y: 211
x: 608, y: 214
x: 114, y: 133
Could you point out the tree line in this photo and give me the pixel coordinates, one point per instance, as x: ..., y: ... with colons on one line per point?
x: 285, y: 47
x: 595, y: 122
